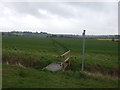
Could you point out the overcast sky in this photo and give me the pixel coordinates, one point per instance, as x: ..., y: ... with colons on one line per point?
x: 96, y: 18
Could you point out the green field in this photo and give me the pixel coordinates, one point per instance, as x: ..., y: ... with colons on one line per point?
x: 101, y: 59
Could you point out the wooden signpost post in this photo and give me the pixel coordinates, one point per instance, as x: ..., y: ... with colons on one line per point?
x: 83, y: 47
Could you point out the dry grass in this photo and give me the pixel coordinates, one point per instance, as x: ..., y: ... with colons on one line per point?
x: 98, y: 74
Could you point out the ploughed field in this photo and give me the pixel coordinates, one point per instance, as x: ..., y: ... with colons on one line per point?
x: 33, y: 54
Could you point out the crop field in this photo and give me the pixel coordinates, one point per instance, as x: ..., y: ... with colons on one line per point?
x: 107, y: 39
x: 101, y: 63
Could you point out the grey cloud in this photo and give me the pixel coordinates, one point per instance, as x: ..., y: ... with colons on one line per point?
x: 66, y: 17
x: 61, y: 9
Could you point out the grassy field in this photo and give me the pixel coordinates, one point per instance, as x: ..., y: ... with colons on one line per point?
x: 101, y: 59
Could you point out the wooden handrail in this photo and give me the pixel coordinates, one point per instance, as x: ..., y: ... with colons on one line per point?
x: 67, y: 59
x: 65, y: 53
x: 66, y: 62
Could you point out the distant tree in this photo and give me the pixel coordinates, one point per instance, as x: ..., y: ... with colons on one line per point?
x: 61, y: 36
x: 54, y: 36
x: 113, y: 39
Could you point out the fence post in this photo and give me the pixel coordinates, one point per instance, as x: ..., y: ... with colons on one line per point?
x: 83, y: 47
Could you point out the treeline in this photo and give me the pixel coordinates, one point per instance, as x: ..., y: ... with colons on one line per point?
x: 46, y: 35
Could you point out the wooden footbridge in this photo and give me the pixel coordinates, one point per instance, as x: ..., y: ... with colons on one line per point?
x: 60, y: 65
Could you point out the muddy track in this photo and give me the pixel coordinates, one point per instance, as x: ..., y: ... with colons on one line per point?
x: 59, y: 47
